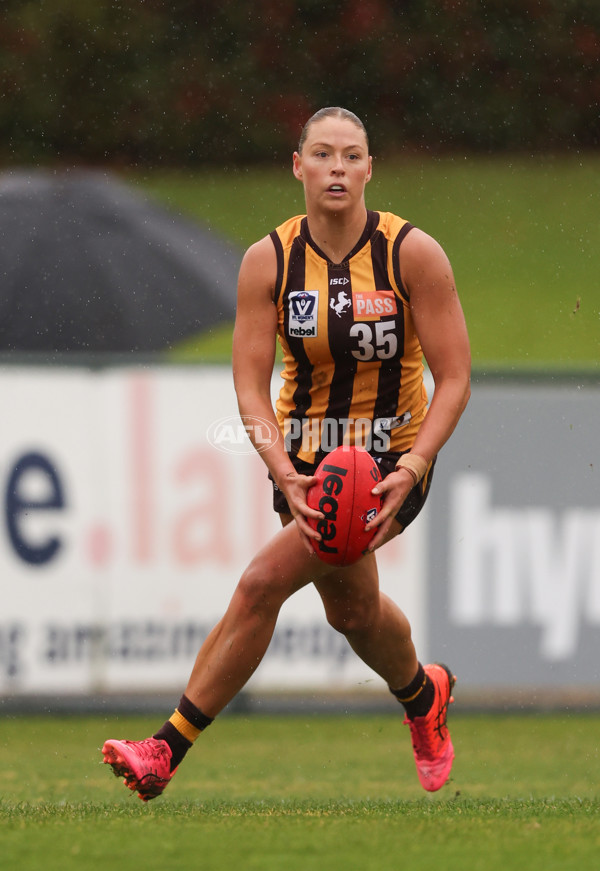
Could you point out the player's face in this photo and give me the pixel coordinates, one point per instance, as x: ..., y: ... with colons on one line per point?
x: 334, y: 165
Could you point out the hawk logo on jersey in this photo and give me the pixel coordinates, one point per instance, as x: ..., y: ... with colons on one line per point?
x: 303, y: 311
x: 342, y: 303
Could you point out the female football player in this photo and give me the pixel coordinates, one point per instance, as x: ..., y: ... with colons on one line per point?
x: 356, y: 298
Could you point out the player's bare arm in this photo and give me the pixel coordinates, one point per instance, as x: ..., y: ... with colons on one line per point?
x: 440, y: 324
x: 439, y: 321
x: 254, y: 339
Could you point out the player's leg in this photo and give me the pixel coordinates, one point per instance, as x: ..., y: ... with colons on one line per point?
x: 224, y: 663
x: 237, y: 644
x: 379, y: 632
x: 376, y: 628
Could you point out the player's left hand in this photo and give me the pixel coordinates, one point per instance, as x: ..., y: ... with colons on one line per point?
x: 394, y: 489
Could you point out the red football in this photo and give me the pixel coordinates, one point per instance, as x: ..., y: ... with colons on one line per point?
x: 342, y: 492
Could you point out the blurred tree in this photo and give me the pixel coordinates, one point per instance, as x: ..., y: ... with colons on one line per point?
x: 197, y: 82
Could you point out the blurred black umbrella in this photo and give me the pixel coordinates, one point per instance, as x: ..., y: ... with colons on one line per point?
x: 86, y: 264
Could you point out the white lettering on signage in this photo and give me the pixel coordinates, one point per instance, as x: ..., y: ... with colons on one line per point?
x: 157, y: 642
x: 513, y: 566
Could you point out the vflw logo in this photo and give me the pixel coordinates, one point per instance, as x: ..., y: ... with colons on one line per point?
x: 303, y: 311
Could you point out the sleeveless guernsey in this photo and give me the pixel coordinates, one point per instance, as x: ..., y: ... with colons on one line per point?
x: 352, y: 362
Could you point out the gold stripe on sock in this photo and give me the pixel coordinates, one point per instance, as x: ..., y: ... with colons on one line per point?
x: 413, y: 697
x: 184, y: 727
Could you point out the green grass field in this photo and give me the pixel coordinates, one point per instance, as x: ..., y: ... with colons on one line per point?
x: 314, y: 792
x: 522, y: 233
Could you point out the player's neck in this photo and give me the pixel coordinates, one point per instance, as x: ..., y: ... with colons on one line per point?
x: 337, y: 234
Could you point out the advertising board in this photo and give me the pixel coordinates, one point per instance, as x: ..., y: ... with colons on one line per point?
x: 132, y: 501
x: 514, y: 573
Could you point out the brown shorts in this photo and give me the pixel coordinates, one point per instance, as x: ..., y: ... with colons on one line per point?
x: 411, y: 506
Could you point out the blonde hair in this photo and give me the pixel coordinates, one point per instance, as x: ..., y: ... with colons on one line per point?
x: 331, y: 112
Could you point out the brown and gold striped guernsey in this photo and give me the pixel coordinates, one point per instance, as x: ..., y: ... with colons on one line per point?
x: 353, y: 369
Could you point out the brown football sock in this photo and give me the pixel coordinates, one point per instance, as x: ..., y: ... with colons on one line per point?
x: 417, y: 697
x: 182, y: 728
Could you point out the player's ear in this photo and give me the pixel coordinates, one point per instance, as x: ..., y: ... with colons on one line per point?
x: 370, y: 170
x: 297, y: 166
